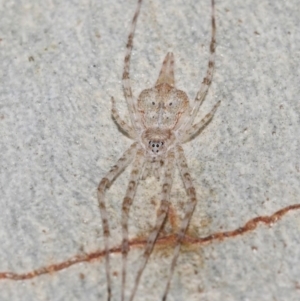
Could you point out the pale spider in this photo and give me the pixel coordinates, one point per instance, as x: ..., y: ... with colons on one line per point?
x: 161, y: 121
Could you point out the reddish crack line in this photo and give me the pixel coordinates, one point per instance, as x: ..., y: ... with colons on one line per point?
x: 166, y: 240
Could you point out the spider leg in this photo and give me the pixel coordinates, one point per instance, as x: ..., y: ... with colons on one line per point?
x: 194, y: 130
x: 126, y: 76
x: 120, y: 122
x: 127, y: 201
x: 209, y: 74
x: 162, y: 214
x: 122, y: 163
x: 184, y: 171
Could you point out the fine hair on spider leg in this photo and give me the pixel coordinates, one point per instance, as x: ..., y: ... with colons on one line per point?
x: 161, y: 121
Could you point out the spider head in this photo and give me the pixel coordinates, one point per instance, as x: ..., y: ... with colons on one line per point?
x: 156, y: 146
x: 157, y: 141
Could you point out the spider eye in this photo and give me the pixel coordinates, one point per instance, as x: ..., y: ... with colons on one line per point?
x: 170, y: 103
x: 153, y: 103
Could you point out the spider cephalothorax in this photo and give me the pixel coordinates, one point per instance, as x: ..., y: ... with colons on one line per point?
x: 161, y: 120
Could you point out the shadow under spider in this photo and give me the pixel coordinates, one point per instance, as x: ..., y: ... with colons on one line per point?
x: 163, y: 241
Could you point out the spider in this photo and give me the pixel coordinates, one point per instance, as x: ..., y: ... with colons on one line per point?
x: 161, y: 121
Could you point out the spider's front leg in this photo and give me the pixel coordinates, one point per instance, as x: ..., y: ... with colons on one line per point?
x: 121, y: 164
x: 162, y: 214
x: 127, y: 201
x: 191, y: 192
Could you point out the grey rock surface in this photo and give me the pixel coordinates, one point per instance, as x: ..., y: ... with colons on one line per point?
x: 61, y: 61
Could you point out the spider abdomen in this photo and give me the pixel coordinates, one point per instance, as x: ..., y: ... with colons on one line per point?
x: 162, y: 106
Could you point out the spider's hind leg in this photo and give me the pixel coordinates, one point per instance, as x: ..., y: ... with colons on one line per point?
x: 196, y: 128
x: 126, y: 128
x: 209, y: 74
x: 126, y: 75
